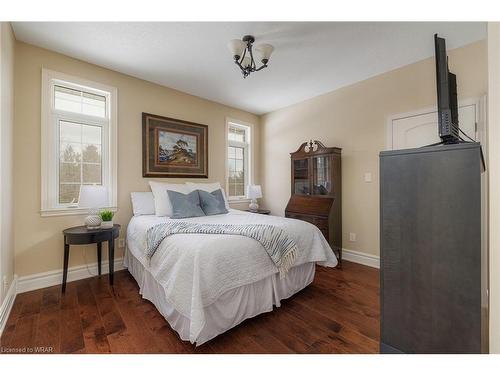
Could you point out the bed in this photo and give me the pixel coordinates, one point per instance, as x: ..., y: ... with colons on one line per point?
x: 205, y: 284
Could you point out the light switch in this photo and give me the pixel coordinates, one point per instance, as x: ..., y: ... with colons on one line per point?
x: 368, y: 177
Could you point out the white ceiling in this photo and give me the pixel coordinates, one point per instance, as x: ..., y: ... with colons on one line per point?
x: 309, y: 58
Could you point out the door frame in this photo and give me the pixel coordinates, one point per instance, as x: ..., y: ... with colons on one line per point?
x: 479, y: 102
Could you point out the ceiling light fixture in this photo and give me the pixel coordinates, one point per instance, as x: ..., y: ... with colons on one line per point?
x: 242, y: 53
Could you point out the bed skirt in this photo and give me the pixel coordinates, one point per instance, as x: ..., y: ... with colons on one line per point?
x: 231, y: 308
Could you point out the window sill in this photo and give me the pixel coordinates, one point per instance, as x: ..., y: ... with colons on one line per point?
x: 69, y: 211
x: 239, y: 200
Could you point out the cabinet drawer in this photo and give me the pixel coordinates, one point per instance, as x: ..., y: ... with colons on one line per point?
x: 321, y: 223
x: 309, y: 219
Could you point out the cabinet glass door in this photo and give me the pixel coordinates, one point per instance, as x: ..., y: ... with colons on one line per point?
x: 322, y: 179
x: 301, y: 177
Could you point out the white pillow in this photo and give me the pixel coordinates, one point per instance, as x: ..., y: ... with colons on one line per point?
x: 208, y: 187
x: 143, y: 203
x: 163, y: 207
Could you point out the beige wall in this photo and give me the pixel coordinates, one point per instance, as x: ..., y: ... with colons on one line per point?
x: 41, y: 250
x: 354, y: 118
x: 494, y: 180
x: 6, y: 160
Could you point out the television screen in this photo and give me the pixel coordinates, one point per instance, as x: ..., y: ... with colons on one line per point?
x: 446, y: 84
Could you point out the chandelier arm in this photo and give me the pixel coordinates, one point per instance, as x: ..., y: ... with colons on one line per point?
x: 262, y: 67
x: 241, y: 66
x: 252, y: 61
x: 243, y: 56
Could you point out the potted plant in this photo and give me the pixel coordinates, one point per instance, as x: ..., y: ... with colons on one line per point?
x: 107, y: 219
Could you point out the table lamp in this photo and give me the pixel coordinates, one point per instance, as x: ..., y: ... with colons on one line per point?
x: 93, y: 197
x: 254, y: 192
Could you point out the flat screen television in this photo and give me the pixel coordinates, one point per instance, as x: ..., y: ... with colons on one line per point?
x: 446, y: 95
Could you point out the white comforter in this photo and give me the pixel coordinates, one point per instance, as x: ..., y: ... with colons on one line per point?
x: 195, y: 269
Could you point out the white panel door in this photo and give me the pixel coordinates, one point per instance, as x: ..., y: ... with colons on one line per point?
x: 422, y: 129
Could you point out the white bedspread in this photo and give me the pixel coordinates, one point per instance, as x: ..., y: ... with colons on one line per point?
x: 195, y: 269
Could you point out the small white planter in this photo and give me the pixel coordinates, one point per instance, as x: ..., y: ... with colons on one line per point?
x: 107, y: 224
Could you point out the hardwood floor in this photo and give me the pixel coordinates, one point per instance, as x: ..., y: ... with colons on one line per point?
x: 337, y: 313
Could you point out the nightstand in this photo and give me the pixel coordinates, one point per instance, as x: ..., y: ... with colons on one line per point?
x: 259, y: 211
x: 83, y: 236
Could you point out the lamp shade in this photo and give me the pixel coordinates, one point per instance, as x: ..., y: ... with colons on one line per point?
x: 254, y: 192
x: 236, y: 47
x: 93, y: 196
x: 264, y: 50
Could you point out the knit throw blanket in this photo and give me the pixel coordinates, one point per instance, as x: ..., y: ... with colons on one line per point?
x: 281, y: 249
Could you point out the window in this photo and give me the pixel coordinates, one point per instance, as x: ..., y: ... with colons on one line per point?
x: 238, y: 159
x: 78, y: 141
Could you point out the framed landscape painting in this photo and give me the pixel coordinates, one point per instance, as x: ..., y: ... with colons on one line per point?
x: 173, y: 148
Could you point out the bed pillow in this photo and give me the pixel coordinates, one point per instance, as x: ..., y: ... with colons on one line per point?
x: 163, y: 207
x: 143, y: 203
x: 185, y: 205
x: 208, y: 187
x: 212, y: 203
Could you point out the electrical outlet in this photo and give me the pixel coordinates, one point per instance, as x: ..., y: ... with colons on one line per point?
x: 5, y: 283
x: 368, y: 177
x: 352, y: 237
x: 121, y: 243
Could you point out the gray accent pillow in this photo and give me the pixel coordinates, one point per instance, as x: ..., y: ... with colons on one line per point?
x: 212, y: 203
x: 185, y: 205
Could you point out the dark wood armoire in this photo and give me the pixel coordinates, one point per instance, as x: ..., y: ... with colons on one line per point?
x: 434, y: 268
x: 316, y: 188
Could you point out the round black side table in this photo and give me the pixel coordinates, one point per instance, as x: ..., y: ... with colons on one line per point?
x: 83, y: 236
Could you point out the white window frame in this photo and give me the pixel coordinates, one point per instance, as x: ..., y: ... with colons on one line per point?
x: 248, y: 155
x: 50, y: 205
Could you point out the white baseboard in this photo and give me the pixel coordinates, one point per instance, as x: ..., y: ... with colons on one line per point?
x: 7, y: 304
x: 51, y: 278
x: 361, y: 258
